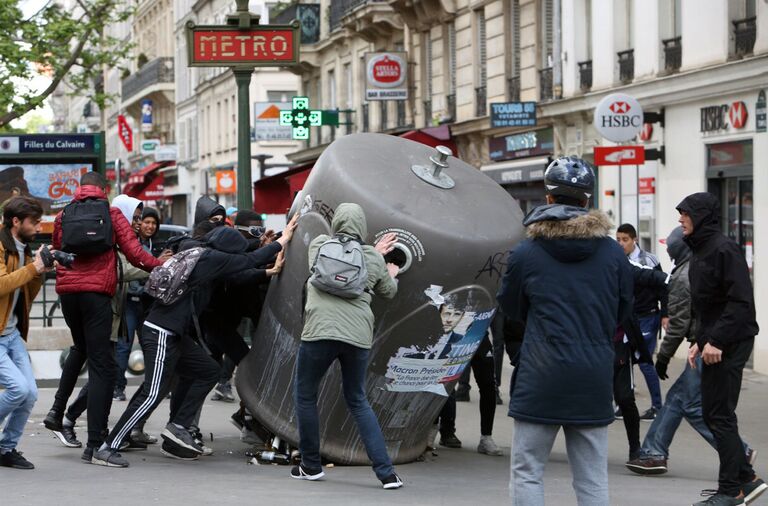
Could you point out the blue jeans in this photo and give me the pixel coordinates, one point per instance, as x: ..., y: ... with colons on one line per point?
x: 20, y: 393
x: 314, y: 360
x: 133, y: 316
x: 683, y: 401
x: 649, y: 326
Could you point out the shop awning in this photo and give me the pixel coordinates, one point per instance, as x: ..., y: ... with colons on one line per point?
x: 154, y: 190
x: 140, y: 179
x: 517, y: 171
x: 432, y: 136
x: 274, y: 194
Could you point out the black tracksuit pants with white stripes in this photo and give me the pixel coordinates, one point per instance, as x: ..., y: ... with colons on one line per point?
x: 166, y: 354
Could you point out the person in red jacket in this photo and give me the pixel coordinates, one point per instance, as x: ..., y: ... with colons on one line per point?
x: 86, y: 290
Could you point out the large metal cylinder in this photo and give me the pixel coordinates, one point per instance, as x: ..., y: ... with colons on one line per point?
x: 454, y: 226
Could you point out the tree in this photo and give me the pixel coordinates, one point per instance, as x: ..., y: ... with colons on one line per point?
x: 59, y: 43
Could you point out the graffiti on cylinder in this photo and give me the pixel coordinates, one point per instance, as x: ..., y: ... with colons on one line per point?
x: 430, y: 365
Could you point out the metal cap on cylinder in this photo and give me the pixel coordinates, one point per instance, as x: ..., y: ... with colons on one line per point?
x: 434, y: 175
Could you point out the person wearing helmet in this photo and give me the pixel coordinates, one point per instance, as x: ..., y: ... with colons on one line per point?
x: 570, y: 284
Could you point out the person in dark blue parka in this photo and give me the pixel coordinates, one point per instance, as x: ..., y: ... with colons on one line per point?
x: 570, y: 285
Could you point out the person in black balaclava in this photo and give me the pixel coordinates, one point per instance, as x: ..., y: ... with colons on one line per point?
x: 723, y: 307
x: 207, y: 209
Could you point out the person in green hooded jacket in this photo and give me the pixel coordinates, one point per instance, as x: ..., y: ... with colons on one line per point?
x: 337, y: 328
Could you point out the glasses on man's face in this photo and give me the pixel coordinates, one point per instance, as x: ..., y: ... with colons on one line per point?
x: 254, y: 231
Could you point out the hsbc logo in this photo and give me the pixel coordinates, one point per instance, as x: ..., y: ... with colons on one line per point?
x: 619, y: 107
x: 718, y: 117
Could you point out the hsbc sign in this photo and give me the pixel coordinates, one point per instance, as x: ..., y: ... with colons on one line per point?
x: 618, y: 117
x: 718, y: 117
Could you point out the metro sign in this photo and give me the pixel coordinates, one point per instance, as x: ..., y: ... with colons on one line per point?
x: 257, y: 46
x: 619, y: 155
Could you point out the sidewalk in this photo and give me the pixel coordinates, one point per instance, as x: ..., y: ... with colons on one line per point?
x: 457, y: 477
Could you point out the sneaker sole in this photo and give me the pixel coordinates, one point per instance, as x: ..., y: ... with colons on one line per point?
x: 104, y: 463
x: 492, y: 454
x: 177, y: 457
x: 63, y: 440
x: 392, y: 486
x: 646, y: 470
x: 168, y: 435
x: 308, y: 477
x: 756, y: 493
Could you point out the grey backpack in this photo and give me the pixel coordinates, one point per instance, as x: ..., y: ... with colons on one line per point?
x: 339, y: 268
x: 168, y: 282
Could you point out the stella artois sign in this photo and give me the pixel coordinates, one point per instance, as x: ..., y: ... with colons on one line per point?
x: 386, y: 76
x: 257, y: 46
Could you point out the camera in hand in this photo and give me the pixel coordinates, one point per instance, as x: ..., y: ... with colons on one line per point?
x: 49, y: 257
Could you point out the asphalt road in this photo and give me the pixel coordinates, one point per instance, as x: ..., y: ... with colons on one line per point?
x: 452, y: 477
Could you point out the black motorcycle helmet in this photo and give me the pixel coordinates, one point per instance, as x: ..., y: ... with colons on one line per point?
x: 570, y: 177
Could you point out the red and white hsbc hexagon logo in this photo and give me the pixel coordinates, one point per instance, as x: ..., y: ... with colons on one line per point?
x: 618, y: 117
x: 737, y: 114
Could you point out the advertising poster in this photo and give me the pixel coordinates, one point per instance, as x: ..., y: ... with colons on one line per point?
x: 429, y: 367
x: 267, y: 125
x: 53, y: 185
x: 386, y: 76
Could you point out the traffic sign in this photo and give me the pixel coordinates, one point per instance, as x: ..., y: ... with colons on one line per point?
x: 125, y: 132
x: 257, y: 46
x: 619, y: 155
x: 618, y: 117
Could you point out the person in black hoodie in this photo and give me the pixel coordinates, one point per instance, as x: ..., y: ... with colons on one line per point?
x: 723, y: 307
x: 207, y: 209
x: 169, y: 345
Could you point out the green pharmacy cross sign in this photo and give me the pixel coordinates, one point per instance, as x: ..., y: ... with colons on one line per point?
x: 300, y: 118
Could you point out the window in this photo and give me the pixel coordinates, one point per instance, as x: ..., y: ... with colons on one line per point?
x: 513, y: 77
x: 452, y: 58
x: 226, y: 124
x: 481, y: 60
x: 426, y: 78
x: 283, y: 96
x: 547, y: 38
x: 332, y: 89
x: 348, y: 84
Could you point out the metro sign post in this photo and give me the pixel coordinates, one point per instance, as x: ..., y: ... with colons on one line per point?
x: 242, y: 44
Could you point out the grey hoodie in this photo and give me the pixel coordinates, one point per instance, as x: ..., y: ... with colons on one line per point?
x: 679, y: 308
x: 349, y: 320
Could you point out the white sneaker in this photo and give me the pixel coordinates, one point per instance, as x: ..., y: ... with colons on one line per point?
x: 488, y: 446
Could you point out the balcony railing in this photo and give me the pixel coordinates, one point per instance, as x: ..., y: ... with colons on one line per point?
x: 365, y: 117
x: 401, y: 113
x: 481, y: 103
x: 673, y: 54
x: 159, y: 70
x: 745, y: 33
x: 427, y: 113
x: 384, y: 115
x: 340, y: 8
x: 513, y: 89
x: 626, y: 65
x: 450, y: 105
x: 545, y: 84
x: 585, y: 75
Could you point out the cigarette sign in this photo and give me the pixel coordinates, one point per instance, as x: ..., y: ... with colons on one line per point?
x: 266, y: 45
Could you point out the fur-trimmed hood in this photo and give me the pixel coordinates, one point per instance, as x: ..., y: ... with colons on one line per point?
x: 567, y: 233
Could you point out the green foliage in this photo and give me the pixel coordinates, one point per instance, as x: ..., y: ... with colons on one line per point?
x: 57, y: 43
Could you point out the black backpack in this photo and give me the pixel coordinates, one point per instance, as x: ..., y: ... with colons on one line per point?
x: 86, y: 227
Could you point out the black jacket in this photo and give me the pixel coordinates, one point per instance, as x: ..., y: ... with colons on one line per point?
x: 570, y: 284
x: 648, y: 298
x: 722, y: 300
x: 218, y: 262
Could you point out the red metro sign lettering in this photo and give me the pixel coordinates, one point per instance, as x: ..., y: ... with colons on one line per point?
x: 266, y: 45
x: 717, y: 117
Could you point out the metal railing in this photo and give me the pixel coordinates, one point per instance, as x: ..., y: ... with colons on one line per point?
x: 450, y: 105
x: 481, y: 102
x: 513, y: 89
x: 673, y: 54
x: 340, y: 8
x: 427, y: 113
x: 745, y: 33
x: 626, y: 65
x: 365, y: 117
x: 545, y: 84
x: 46, y: 308
x: 159, y: 70
x: 585, y: 75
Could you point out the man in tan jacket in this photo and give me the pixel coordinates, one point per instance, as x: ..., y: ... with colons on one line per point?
x: 20, y: 280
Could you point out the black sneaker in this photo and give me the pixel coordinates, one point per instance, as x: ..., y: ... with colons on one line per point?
x: 450, y: 441
x: 753, y: 489
x: 174, y: 451
x: 118, y: 394
x: 499, y: 400
x: 67, y: 437
x: 649, y: 415
x: 181, y: 437
x: 717, y: 499
x: 238, y: 419
x: 109, y: 458
x: 133, y: 445
x: 462, y: 394
x: 87, y: 455
x: 53, y: 421
x: 391, y: 482
x: 15, y: 460
x: 304, y: 473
